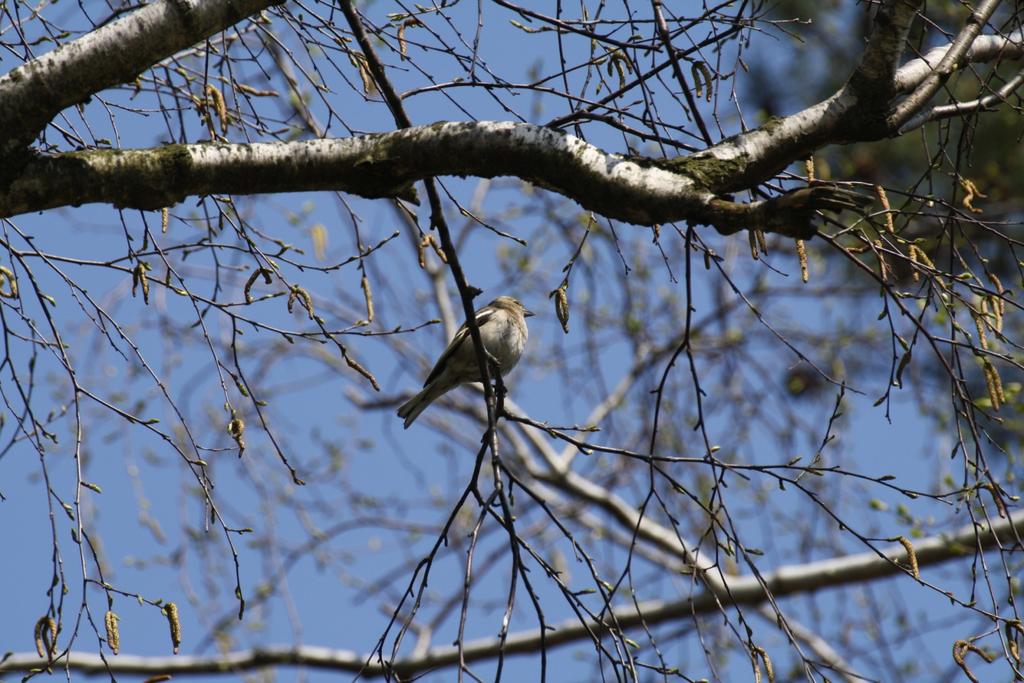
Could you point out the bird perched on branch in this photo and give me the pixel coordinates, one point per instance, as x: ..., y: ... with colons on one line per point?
x: 503, y: 332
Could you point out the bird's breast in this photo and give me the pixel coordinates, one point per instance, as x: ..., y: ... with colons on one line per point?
x: 505, y: 342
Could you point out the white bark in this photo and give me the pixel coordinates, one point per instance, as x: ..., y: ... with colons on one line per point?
x: 856, y: 112
x: 786, y: 580
x: 635, y: 190
x: 938, y: 76
x: 985, y: 48
x: 386, y: 165
x: 32, y: 94
x: 383, y: 165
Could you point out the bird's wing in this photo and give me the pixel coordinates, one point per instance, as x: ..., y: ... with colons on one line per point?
x: 482, y: 316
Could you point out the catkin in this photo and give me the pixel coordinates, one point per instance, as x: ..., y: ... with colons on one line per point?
x: 113, y: 632
x: 883, y: 199
x: 171, y: 610
x: 562, y: 307
x: 46, y: 637
x: 801, y: 253
x: 219, y: 106
x: 911, y: 556
x: 7, y: 277
x: 368, y: 296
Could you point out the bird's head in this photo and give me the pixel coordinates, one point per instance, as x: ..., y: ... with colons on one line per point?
x: 512, y: 305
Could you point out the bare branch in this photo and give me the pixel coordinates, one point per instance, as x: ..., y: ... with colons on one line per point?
x: 946, y: 66
x: 386, y: 165
x: 985, y: 103
x: 32, y: 94
x: 787, y: 580
x: 873, y: 77
x: 985, y: 48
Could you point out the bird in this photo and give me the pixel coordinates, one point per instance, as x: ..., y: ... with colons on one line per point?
x: 502, y: 325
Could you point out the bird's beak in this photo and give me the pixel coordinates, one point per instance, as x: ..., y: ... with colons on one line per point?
x: 527, y: 313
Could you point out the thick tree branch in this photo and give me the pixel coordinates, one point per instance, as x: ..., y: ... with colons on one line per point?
x: 945, y: 111
x: 862, y: 110
x: 760, y: 154
x: 874, y: 74
x: 985, y: 48
x: 641, y: 191
x: 786, y: 580
x: 635, y: 189
x: 856, y: 112
x: 386, y: 165
x: 946, y: 66
x: 32, y: 94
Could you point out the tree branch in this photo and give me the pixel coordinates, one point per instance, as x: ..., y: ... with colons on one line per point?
x: 873, y: 76
x: 861, y: 110
x: 818, y: 645
x: 984, y: 49
x: 856, y: 112
x: 32, y: 94
x: 945, y: 111
x: 946, y: 66
x: 786, y: 580
x: 637, y: 190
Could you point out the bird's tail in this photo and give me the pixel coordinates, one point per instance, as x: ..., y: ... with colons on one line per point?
x: 412, y: 408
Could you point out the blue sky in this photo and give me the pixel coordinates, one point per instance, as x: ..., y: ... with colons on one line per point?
x: 412, y: 476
